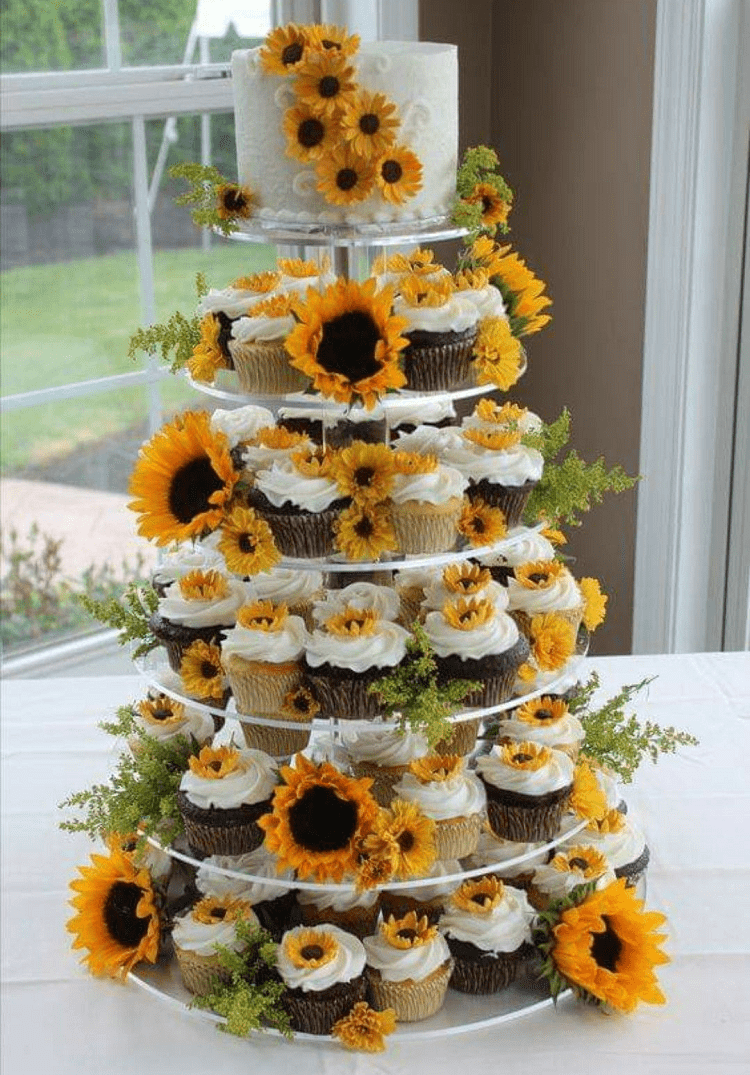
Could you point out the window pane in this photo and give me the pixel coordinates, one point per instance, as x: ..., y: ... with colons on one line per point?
x: 160, y: 32
x: 37, y: 35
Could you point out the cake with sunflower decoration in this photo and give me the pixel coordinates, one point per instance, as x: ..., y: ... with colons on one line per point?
x: 322, y: 968
x: 528, y: 787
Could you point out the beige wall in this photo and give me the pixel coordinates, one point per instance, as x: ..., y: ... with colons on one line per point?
x: 563, y: 90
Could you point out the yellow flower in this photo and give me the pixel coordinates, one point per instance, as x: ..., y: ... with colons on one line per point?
x: 318, y: 816
x: 408, y: 931
x: 414, y: 463
x: 344, y: 177
x: 275, y: 306
x: 466, y: 614
x: 596, y: 603
x: 313, y: 462
x: 607, y: 947
x: 200, y: 585
x: 508, y: 415
x: 325, y: 82
x: 494, y: 208
x: 466, y: 578
x: 587, y: 800
x: 420, y: 290
x: 376, y: 861
x: 522, y: 293
x: 553, y: 641
x: 116, y: 918
x: 201, y: 671
x: 284, y: 49
x: 527, y: 672
x: 545, y: 711
x: 369, y: 124
x: 611, y: 822
x: 539, y: 574
x: 556, y: 537
x: 494, y: 440
x: 364, y: 1028
x: 308, y: 133
x: 327, y: 36
x: 207, y: 357
x: 182, y: 480
x: 481, y: 524
x: 232, y: 201
x: 278, y: 437
x: 212, y: 909
x: 214, y: 763
x: 472, y: 280
x: 260, y: 282
x: 311, y: 948
x: 437, y: 768
x: 246, y: 542
x: 525, y: 756
x: 364, y: 532
x: 300, y: 269
x: 585, y: 861
x: 262, y: 616
x: 498, y: 356
x: 398, y: 174
x: 348, y: 342
x: 479, y: 895
x: 159, y: 709
x: 352, y: 622
x: 299, y: 703
x: 413, y: 835
x: 364, y: 471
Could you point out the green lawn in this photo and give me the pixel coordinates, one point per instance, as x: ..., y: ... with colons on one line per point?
x: 72, y: 321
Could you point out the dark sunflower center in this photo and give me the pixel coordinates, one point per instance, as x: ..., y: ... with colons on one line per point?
x: 348, y: 346
x: 481, y: 898
x: 129, y: 845
x: 216, y: 766
x: 329, y: 86
x: 478, y: 525
x: 263, y: 621
x: 539, y: 576
x: 191, y: 487
x: 369, y: 123
x: 487, y: 204
x: 321, y: 821
x: 234, y: 200
x: 346, y: 178
x: 363, y: 476
x: 406, y: 840
x: 407, y: 934
x: 161, y: 714
x: 291, y: 54
x: 606, y: 947
x: 245, y: 543
x: 301, y: 704
x: 218, y: 912
x: 365, y: 527
x: 123, y: 925
x: 579, y: 864
x: 522, y: 757
x: 544, y: 714
x: 311, y: 951
x: 208, y: 670
x: 310, y: 133
x: 328, y: 44
x: 465, y: 584
x: 391, y: 171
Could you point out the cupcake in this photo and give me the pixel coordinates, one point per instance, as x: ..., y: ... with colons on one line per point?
x: 500, y: 857
x: 544, y: 586
x: 426, y: 504
x: 200, y: 606
x: 355, y: 912
x: 473, y: 640
x: 411, y: 584
x: 429, y: 900
x: 453, y: 797
x: 544, y: 720
x: 382, y: 752
x: 441, y: 327
x: 322, y: 968
x: 500, y: 470
x: 488, y: 929
x: 570, y: 868
x: 621, y: 842
x: 527, y: 788
x: 221, y: 797
x: 183, y: 558
x: 163, y: 718
x: 523, y: 545
x: 267, y: 888
x: 262, y: 656
x: 464, y: 579
x: 300, y: 503
x: 352, y: 650
x: 274, y: 735
x: 257, y: 348
x: 296, y: 589
x: 197, y: 935
x: 408, y: 967
x: 382, y: 600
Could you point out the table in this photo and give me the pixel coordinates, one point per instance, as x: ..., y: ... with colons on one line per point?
x: 695, y: 807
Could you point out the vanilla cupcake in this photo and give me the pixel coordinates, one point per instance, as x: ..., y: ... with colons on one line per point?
x: 300, y: 503
x: 509, y: 860
x: 527, y: 788
x: 382, y: 752
x: 383, y: 600
x: 262, y: 656
x: 488, y: 929
x: 441, y: 327
x: 579, y: 864
x: 322, y: 968
x: 408, y: 967
x: 426, y: 505
x: 257, y: 348
x: 546, y: 721
x: 221, y: 797
x: 198, y: 934
x: 429, y: 900
x: 163, y: 718
x: 620, y: 840
x: 352, y: 650
x: 544, y: 586
x: 356, y: 912
x: 453, y: 797
x: 268, y: 889
x: 199, y: 606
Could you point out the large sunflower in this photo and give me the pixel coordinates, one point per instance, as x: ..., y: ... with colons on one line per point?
x: 364, y: 532
x: 348, y: 342
x: 344, y: 177
x: 364, y: 471
x: 246, y: 542
x: 369, y: 124
x: 317, y: 818
x: 607, y: 946
x: 117, y: 920
x: 182, y: 479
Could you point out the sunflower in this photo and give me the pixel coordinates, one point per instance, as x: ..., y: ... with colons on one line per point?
x: 310, y: 948
x: 525, y: 756
x: 479, y: 895
x: 466, y: 578
x: 246, y: 542
x: 299, y: 703
x: 606, y: 947
x: 485, y: 253
x: 468, y: 613
x: 313, y: 462
x: 494, y: 440
x: 413, y: 834
x: 437, y: 768
x: 214, y: 763
x: 348, y: 342
x: 369, y: 124
x: 507, y: 415
x: 499, y: 358
x: 587, y: 862
x: 398, y: 174
x: 414, y: 463
x: 327, y: 36
x: 364, y: 532
x: 526, y: 672
x: 259, y: 282
x: 233, y: 201
x: 201, y: 671
x: 495, y: 209
x: 553, y: 535
x: 539, y: 574
x: 364, y: 471
x: 387, y: 263
x: 522, y: 293
x: 344, y: 177
x: 300, y: 269
x: 226, y: 908
x: 408, y: 931
x: 418, y: 289
x: 377, y: 858
x: 117, y: 921
x: 308, y: 134
x: 207, y: 357
x: 596, y: 603
x: 364, y: 1028
x: 284, y: 49
x: 159, y: 709
x: 542, y: 711
x: 553, y: 641
x: 273, y: 306
x: 353, y: 622
x: 481, y: 524
x: 325, y: 82
x: 182, y: 479
x: 471, y: 280
x: 587, y: 800
x: 200, y: 585
x: 262, y: 616
x: 317, y: 817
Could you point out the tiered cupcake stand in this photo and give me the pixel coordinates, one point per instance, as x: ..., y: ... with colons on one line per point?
x: 350, y: 249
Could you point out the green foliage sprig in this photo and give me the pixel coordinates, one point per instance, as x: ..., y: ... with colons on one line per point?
x: 176, y: 339
x: 204, y: 181
x: 552, y: 438
x: 479, y: 165
x: 412, y: 696
x: 129, y: 614
x: 142, y: 792
x: 619, y: 740
x: 251, y: 999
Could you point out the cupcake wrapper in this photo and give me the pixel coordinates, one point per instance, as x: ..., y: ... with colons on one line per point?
x: 535, y: 820
x: 278, y: 742
x: 634, y: 871
x: 199, y: 973
x: 361, y: 921
x: 222, y: 832
x: 260, y: 686
x: 445, y: 366
x: 462, y: 740
x: 411, y: 1000
x: 426, y: 528
x: 511, y: 499
x: 307, y: 536
x: 497, y: 674
x: 457, y: 837
x: 411, y: 605
x: 264, y: 368
x: 315, y: 1013
x: 480, y: 972
x: 383, y: 777
x: 345, y: 695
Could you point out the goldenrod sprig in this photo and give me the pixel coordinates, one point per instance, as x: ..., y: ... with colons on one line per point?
x: 128, y: 614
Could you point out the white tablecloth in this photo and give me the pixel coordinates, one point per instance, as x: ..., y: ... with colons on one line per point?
x: 695, y: 807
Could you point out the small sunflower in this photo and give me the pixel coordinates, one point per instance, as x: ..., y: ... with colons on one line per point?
x: 182, y: 480
x: 348, y: 343
x: 299, y: 703
x: 313, y: 462
x: 494, y: 440
x: 234, y: 201
x: 317, y: 818
x: 506, y: 415
x: 377, y: 857
x: 344, y: 177
x: 159, y: 709
x: 553, y: 641
x: 364, y: 532
x: 207, y: 357
x: 437, y: 768
x: 409, y: 931
x: 539, y: 574
x: 486, y: 254
x: 325, y: 82
x: 259, y: 282
x: 525, y: 756
x: 466, y: 578
x: 498, y: 356
x: 279, y: 437
x: 214, y: 763
x: 308, y: 133
x: 284, y: 49
x: 468, y: 613
x: 116, y: 918
x: 413, y: 834
x: 587, y: 800
x: 526, y: 672
x: 246, y: 542
x: 387, y: 263
x: 553, y: 535
x: 262, y: 616
x: 414, y: 463
x: 398, y: 175
x: 335, y: 38
x: 201, y: 671
x: 431, y: 290
x: 300, y: 269
x: 273, y: 306
x: 523, y: 294
x: 596, y: 603
x: 364, y: 1028
x: 364, y: 471
x: 353, y: 622
x: 587, y: 862
x: 479, y: 895
x: 481, y: 524
x: 495, y: 209
x: 201, y: 585
x: 606, y: 947
x: 369, y: 124
x: 612, y: 821
x: 310, y: 948
x: 471, y: 280
x: 542, y: 711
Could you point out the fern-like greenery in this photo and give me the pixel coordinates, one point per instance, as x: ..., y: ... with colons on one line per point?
x: 204, y: 181
x: 411, y: 694
x: 142, y: 792
x: 175, y: 340
x: 251, y: 999
x: 129, y: 614
x: 479, y: 165
x: 617, y: 739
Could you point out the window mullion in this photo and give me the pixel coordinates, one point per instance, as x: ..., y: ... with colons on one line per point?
x: 145, y: 259
x: 112, y: 34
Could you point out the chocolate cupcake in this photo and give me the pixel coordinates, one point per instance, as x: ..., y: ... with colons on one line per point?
x: 500, y: 470
x: 441, y: 327
x: 527, y: 788
x: 200, y: 606
x: 322, y: 968
x: 299, y: 508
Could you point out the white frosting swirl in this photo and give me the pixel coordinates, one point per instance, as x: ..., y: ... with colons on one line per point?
x: 284, y: 584
x: 187, y: 557
x: 261, y: 328
x: 232, y: 301
x: 560, y: 595
x: 556, y: 884
x: 495, y: 852
x: 567, y: 731
x: 529, y: 422
x: 276, y: 647
x: 242, y: 423
x: 347, y: 964
x: 256, y: 457
x: 260, y: 863
x: 398, y: 964
x: 511, y: 466
x: 456, y: 315
x: 284, y: 484
x: 619, y: 848
x: 556, y: 774
x: 425, y: 893
x: 438, y: 487
x: 532, y: 546
x: 252, y: 781
x: 416, y: 409
x: 298, y: 285
x: 436, y: 594
x: 431, y: 440
x: 383, y: 744
x: 384, y: 648
x: 203, y: 938
x: 487, y: 300
x: 337, y: 899
x: 504, y: 929
x: 361, y: 595
x: 459, y: 796
x: 497, y: 635
x: 194, y: 612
